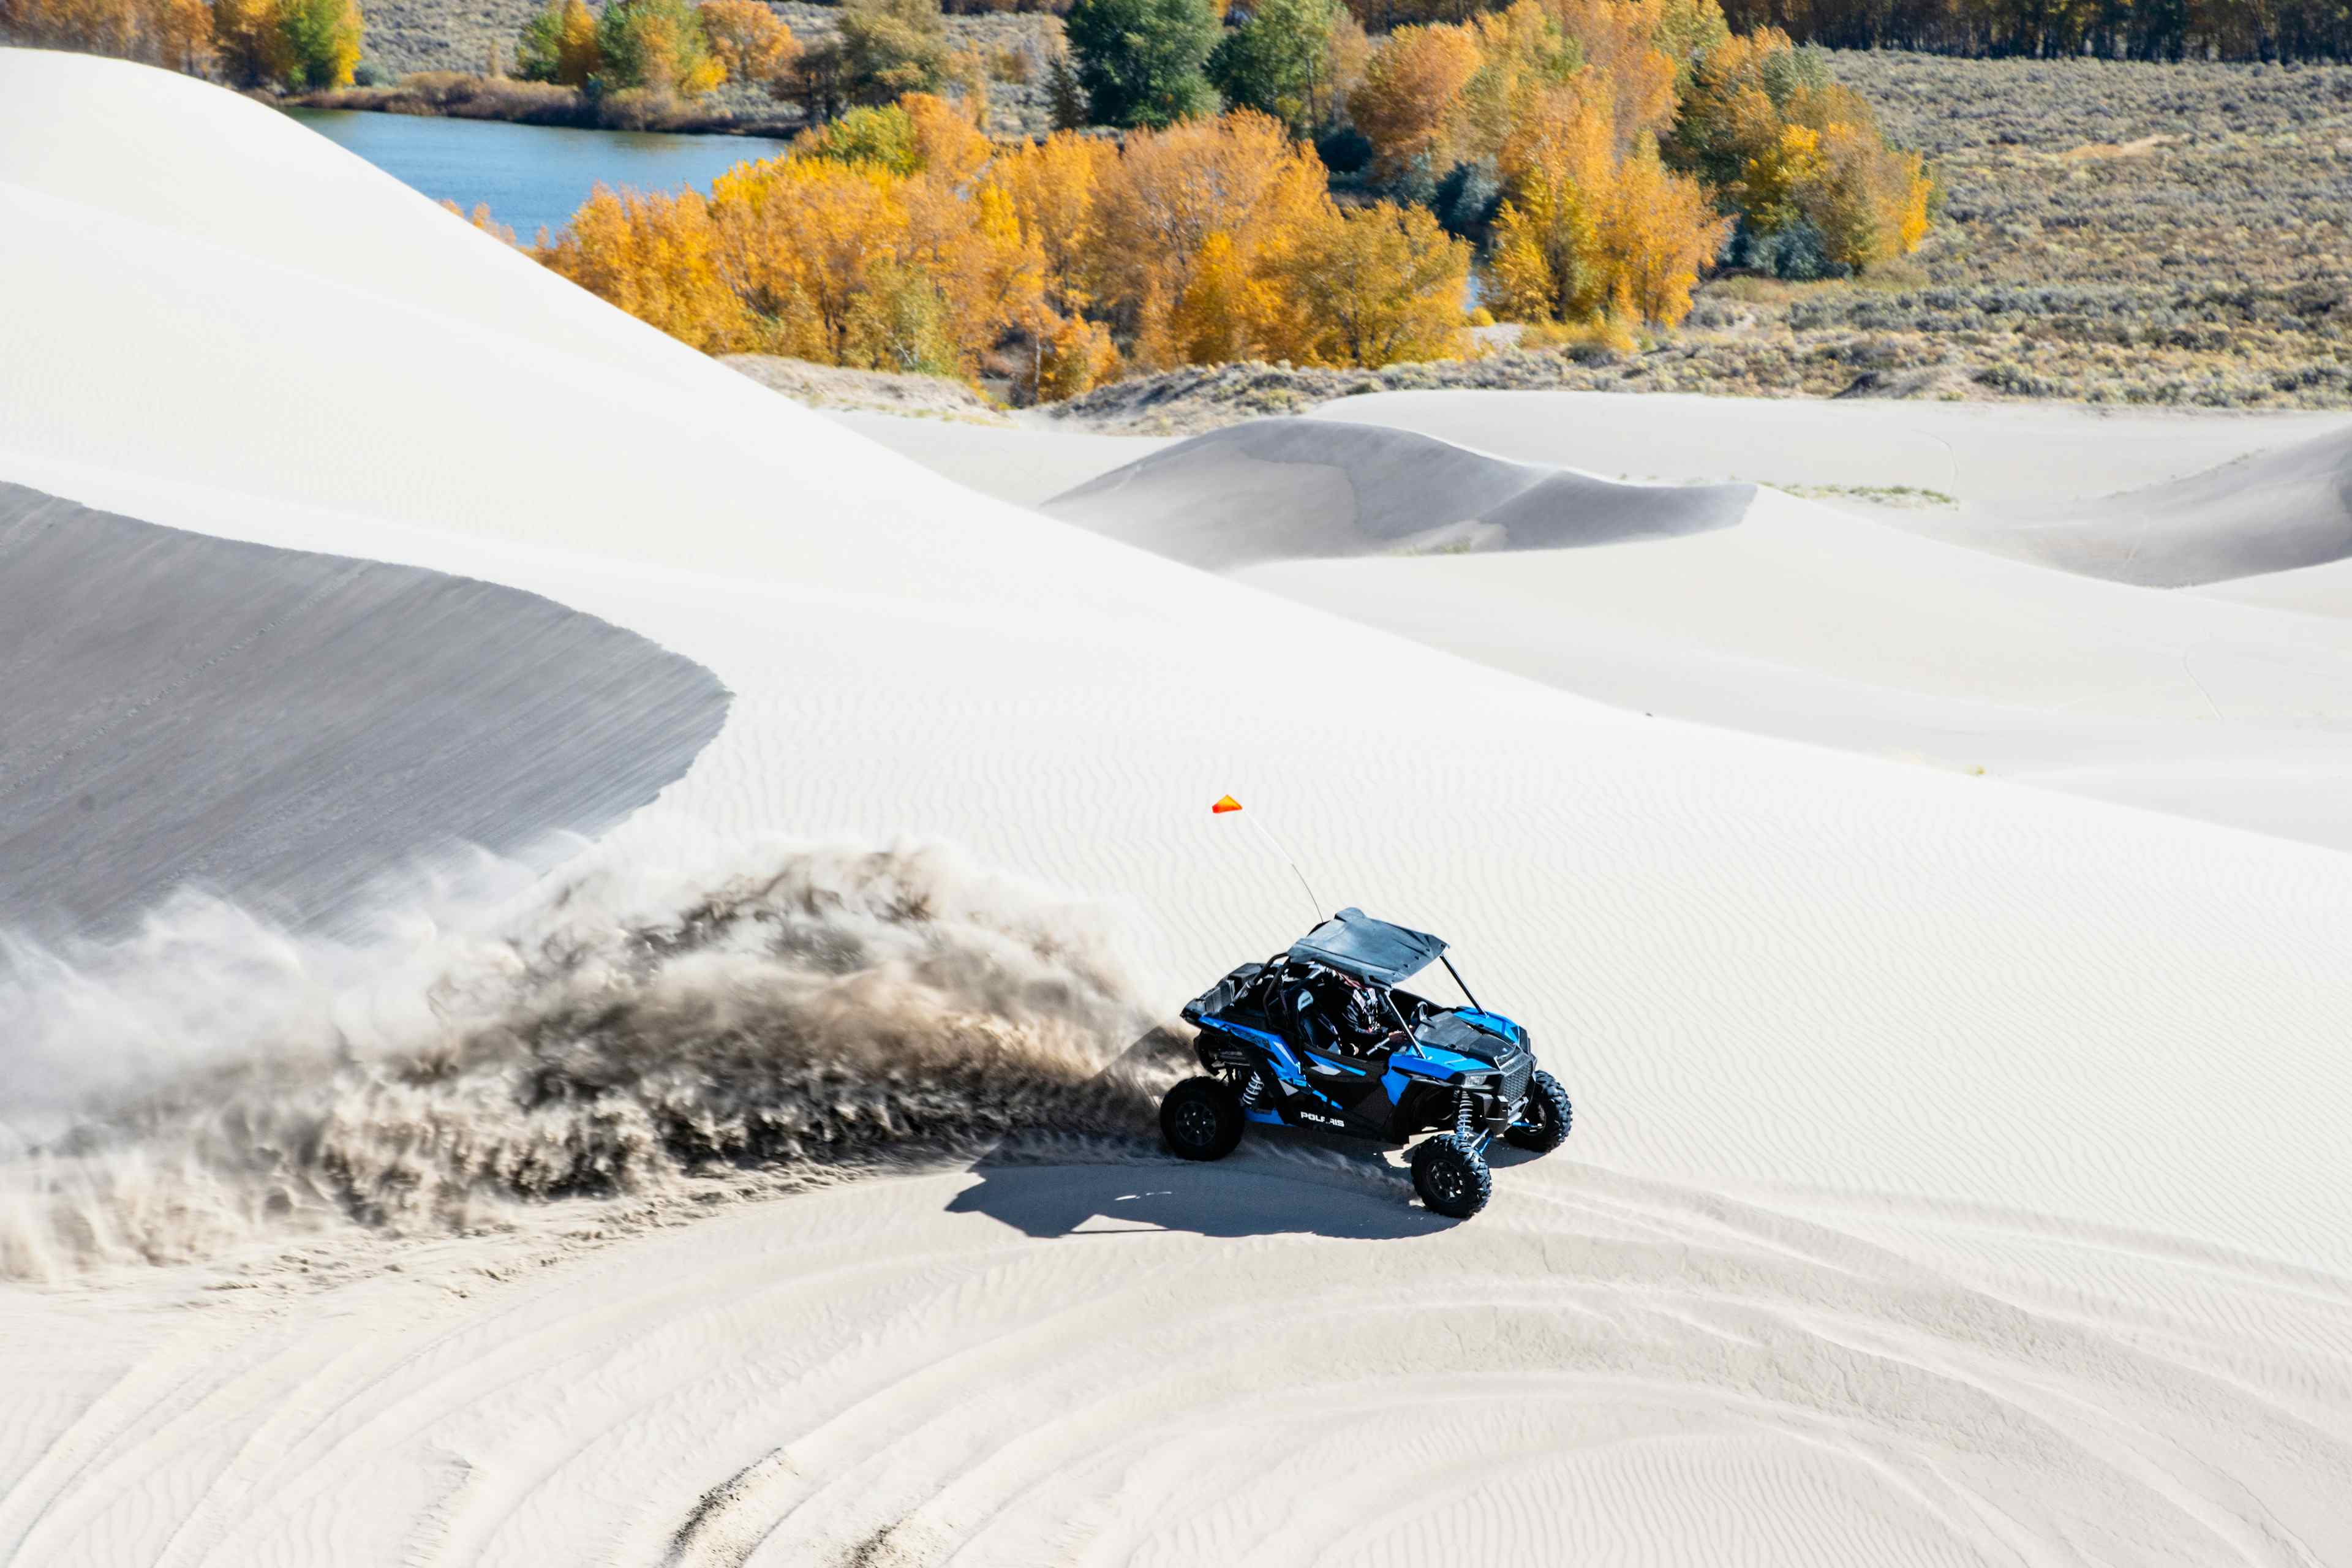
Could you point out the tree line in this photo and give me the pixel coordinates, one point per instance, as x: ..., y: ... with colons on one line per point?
x: 1596, y: 156
x: 248, y: 42
x: 2113, y: 29
x: 901, y: 237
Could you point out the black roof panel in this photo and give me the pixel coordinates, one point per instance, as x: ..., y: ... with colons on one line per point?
x: 1353, y: 942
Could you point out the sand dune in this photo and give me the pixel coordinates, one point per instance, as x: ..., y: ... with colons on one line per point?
x: 2270, y: 511
x: 1293, y: 488
x: 1956, y: 1163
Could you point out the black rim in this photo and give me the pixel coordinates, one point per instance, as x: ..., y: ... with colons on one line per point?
x: 1196, y: 1123
x: 1445, y: 1183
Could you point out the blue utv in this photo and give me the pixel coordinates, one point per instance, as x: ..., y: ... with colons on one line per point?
x: 1320, y: 1036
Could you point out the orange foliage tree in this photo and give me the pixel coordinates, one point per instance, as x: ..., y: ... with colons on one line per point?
x: 1406, y: 102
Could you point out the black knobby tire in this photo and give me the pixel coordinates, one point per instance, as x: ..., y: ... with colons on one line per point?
x: 1451, y: 1177
x: 1545, y: 1120
x: 1201, y: 1119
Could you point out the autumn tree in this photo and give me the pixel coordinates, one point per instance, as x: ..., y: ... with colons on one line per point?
x: 1815, y: 187
x: 657, y: 45
x: 250, y: 45
x: 1405, y: 105
x: 175, y: 34
x: 559, y: 45
x: 1055, y: 185
x: 322, y: 41
x: 657, y: 258
x: 1620, y: 44
x: 1142, y: 61
x: 1548, y: 263
x: 882, y: 137
x: 1377, y: 286
x: 1169, y: 194
x: 892, y: 47
x: 750, y: 44
x: 1661, y: 229
x: 1282, y: 61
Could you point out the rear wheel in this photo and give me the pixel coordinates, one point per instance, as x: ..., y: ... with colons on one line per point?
x: 1201, y: 1119
x: 1451, y: 1177
x: 1544, y: 1120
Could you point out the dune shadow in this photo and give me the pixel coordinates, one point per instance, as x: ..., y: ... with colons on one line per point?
x: 1235, y: 1198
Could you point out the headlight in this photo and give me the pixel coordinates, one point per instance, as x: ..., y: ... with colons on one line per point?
x: 1477, y: 1080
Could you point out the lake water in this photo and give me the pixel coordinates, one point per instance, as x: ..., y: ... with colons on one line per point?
x: 530, y: 175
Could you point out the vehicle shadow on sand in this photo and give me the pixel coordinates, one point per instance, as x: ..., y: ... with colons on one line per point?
x: 1235, y: 1198
x: 1281, y: 1181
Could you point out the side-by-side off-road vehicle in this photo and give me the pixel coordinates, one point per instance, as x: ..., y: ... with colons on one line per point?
x: 1321, y: 1036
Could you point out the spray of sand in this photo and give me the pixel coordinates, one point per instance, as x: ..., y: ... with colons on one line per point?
x: 791, y: 1009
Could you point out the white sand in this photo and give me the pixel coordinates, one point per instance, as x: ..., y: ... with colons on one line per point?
x: 1957, y: 1170
x: 1023, y: 464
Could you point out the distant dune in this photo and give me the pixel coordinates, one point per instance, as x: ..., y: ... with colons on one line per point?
x: 2274, y: 512
x: 1295, y: 488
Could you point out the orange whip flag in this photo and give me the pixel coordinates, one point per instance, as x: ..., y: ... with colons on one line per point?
x: 1225, y: 803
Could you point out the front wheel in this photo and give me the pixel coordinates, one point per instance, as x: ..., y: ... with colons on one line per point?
x: 1451, y: 1177
x: 1544, y: 1120
x: 1201, y: 1119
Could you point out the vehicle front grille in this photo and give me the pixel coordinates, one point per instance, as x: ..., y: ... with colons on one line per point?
x: 1516, y: 1073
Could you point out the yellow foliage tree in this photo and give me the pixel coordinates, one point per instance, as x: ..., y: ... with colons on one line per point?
x: 745, y: 38
x: 1076, y: 356
x: 1054, y: 185
x: 559, y: 44
x: 1617, y: 41
x: 1771, y: 176
x: 1662, y: 228
x: 1223, y: 312
x: 1167, y: 192
x: 1548, y: 262
x: 949, y: 142
x: 1521, y: 55
x: 1377, y: 286
x: 659, y: 257
x: 797, y: 238
x: 578, y: 56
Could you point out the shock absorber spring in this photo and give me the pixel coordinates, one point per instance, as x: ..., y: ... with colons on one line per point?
x: 1253, y: 1091
x: 1461, y: 1114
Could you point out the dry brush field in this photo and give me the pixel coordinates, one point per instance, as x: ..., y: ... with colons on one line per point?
x: 2112, y: 231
